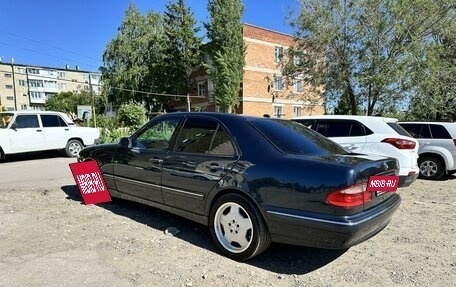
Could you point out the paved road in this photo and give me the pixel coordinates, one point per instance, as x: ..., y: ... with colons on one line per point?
x: 19, y: 172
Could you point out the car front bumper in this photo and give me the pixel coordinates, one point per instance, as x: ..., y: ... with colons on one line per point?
x: 335, y: 232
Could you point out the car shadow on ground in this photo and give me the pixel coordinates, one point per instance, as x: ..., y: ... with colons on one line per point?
x: 279, y: 258
x: 33, y: 156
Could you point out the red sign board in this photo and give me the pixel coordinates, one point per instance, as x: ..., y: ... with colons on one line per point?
x: 90, y: 182
x: 383, y: 183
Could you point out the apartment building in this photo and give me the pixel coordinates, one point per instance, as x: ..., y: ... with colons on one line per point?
x: 27, y: 87
x: 264, y: 89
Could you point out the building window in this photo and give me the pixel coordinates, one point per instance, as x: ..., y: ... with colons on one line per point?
x: 8, y: 75
x: 33, y: 71
x: 277, y: 83
x: 22, y: 83
x: 36, y: 95
x: 95, y: 77
x: 278, y: 54
x: 50, y: 84
x: 23, y: 107
x: 297, y: 111
x: 62, y: 86
x: 202, y: 89
x: 21, y: 70
x: 298, y: 86
x: 85, y: 77
x: 10, y: 98
x: 9, y: 86
x: 61, y: 75
x: 36, y: 83
x: 278, y: 112
x: 86, y: 87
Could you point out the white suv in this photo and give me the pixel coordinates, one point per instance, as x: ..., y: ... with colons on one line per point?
x: 29, y: 131
x: 370, y: 135
x: 437, y: 147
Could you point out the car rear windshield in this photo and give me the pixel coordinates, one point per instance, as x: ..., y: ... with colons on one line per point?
x: 294, y: 138
x: 400, y: 130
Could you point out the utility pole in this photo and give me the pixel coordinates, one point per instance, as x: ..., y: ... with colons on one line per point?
x: 14, y: 85
x: 92, y: 95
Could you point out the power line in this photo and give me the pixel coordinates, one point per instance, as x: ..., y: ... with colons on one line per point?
x: 52, y: 46
x: 115, y: 88
x: 46, y: 54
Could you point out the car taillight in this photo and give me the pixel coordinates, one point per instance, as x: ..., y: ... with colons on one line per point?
x: 349, y: 197
x: 454, y: 141
x: 400, y: 143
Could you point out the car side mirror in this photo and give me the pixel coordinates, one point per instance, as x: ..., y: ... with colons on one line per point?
x: 124, y: 142
x: 14, y: 126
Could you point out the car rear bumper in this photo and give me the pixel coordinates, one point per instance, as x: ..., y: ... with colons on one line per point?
x: 324, y: 231
x: 406, y: 180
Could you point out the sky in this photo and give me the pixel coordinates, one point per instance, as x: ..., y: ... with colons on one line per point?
x: 55, y: 33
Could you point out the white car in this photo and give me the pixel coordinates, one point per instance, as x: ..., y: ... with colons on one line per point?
x: 370, y: 135
x: 30, y: 131
x: 437, y: 147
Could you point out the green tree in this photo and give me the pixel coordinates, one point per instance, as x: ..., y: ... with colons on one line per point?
x: 435, y: 83
x: 133, y: 60
x: 131, y: 115
x: 183, y: 48
x: 362, y: 51
x: 67, y: 102
x: 226, y: 50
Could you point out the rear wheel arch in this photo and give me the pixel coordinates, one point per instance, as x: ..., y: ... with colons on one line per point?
x: 2, y: 153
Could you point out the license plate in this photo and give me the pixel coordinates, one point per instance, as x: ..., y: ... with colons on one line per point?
x: 383, y: 183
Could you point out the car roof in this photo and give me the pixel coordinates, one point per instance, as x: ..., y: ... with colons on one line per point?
x: 32, y: 112
x: 424, y: 122
x: 349, y: 117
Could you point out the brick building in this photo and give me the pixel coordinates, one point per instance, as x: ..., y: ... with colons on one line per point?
x: 264, y: 90
x: 27, y: 87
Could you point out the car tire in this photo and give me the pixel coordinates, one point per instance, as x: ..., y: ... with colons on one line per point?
x: 73, y: 148
x: 431, y: 167
x: 237, y: 227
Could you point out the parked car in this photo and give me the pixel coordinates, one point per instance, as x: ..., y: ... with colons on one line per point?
x: 251, y: 180
x: 370, y: 135
x: 30, y: 131
x: 437, y: 147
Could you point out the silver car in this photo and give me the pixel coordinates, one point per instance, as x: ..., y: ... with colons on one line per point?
x: 437, y: 151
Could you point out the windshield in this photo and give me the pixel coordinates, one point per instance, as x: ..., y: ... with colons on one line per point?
x: 294, y: 138
x: 5, y: 119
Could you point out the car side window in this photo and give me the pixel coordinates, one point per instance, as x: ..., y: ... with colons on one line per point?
x: 52, y: 121
x: 205, y: 136
x: 439, y: 132
x: 419, y: 131
x: 156, y: 136
x: 27, y: 121
x: 340, y: 128
x: 222, y: 144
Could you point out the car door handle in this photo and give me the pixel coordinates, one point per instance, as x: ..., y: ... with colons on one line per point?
x: 155, y: 160
x: 39, y: 130
x: 215, y: 167
x: 67, y: 129
x: 351, y: 147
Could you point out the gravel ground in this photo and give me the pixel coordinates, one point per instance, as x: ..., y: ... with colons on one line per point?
x: 49, y: 238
